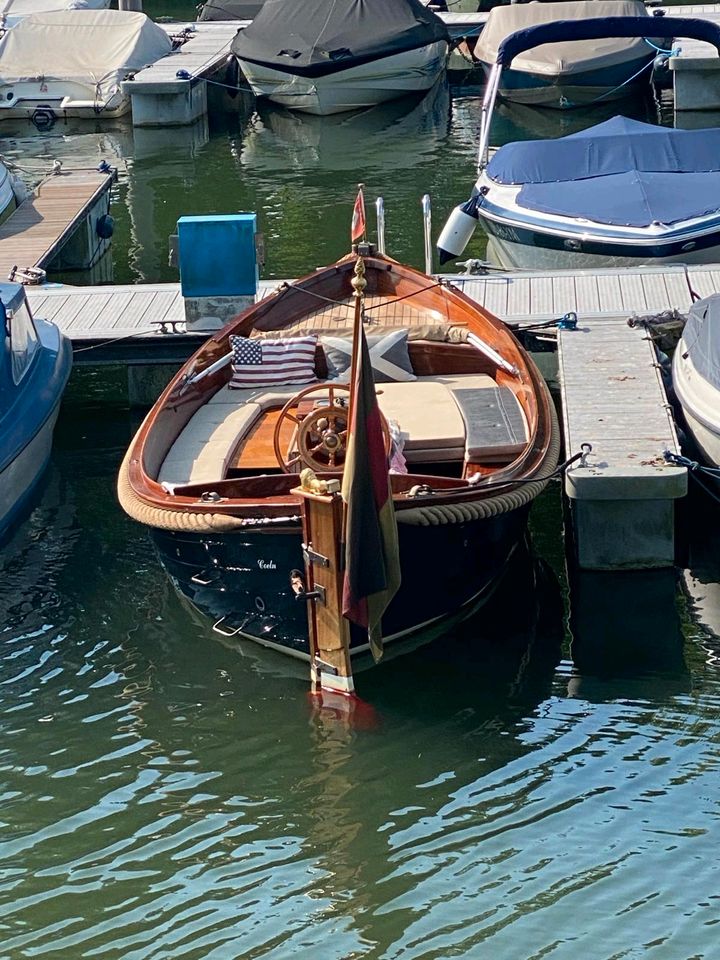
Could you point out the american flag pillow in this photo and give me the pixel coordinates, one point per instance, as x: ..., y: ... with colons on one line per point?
x: 269, y: 363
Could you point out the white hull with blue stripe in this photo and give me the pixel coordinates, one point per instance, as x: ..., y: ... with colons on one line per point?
x: 696, y: 377
x: 621, y: 193
x: 20, y: 478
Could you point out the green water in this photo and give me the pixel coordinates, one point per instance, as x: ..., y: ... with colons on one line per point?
x: 541, y: 784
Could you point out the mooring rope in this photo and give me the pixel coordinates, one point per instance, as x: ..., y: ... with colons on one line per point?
x: 696, y: 470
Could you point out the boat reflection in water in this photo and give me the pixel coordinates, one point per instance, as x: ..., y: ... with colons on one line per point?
x: 701, y: 578
x: 401, y: 133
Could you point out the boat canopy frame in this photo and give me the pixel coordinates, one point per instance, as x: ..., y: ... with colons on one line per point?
x: 595, y: 28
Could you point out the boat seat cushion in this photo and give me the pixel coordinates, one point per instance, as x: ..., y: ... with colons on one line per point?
x: 495, y: 424
x: 203, y: 450
x: 265, y: 363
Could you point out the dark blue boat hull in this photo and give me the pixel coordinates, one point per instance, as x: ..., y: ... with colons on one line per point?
x: 241, y: 581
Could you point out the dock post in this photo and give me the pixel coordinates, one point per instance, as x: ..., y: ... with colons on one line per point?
x: 134, y: 5
x: 328, y: 630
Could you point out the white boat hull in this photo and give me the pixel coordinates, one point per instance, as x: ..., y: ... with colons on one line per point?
x: 363, y: 86
x: 520, y: 238
x: 26, y: 99
x: 520, y: 256
x: 20, y: 476
x: 700, y: 402
x: 7, y: 193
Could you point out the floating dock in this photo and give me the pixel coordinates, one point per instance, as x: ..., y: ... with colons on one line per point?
x: 57, y: 225
x: 696, y: 69
x: 173, y: 91
x: 622, y: 499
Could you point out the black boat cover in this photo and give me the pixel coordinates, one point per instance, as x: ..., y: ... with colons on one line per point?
x: 231, y: 9
x: 313, y: 38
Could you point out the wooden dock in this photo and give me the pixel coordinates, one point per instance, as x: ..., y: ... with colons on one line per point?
x: 37, y: 231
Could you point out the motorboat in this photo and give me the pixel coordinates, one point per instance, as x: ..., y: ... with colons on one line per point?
x: 567, y: 74
x: 231, y: 9
x: 12, y: 11
x: 34, y: 368
x: 72, y: 64
x: 328, y: 58
x: 696, y: 378
x: 622, y: 193
x: 215, y: 468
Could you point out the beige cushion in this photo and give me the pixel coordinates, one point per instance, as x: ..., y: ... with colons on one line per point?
x: 425, y: 412
x: 203, y: 450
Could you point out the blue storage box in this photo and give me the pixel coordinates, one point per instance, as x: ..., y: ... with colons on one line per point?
x: 216, y: 255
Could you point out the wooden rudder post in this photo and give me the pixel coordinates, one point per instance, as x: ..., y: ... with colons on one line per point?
x: 328, y: 630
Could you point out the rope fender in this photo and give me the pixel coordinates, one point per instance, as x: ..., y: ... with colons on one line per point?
x: 186, y: 521
x: 182, y: 521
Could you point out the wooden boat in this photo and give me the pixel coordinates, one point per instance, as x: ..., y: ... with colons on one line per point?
x: 34, y: 368
x: 214, y: 468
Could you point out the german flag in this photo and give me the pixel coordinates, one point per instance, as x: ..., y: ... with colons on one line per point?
x: 372, y: 562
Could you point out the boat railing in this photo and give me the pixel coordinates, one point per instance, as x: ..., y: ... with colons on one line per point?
x: 427, y: 231
x: 380, y: 212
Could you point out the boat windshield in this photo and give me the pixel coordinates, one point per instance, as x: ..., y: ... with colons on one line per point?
x: 23, y: 341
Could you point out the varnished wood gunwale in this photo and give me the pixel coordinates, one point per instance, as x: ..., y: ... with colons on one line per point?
x: 179, y: 401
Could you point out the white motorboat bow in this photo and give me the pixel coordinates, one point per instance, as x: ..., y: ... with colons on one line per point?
x: 619, y: 194
x: 329, y: 57
x: 12, y: 11
x: 696, y: 377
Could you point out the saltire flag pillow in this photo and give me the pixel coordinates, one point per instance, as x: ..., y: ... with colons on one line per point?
x: 270, y: 363
x: 389, y: 357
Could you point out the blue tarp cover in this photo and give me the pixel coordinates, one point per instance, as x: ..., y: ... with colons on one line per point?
x: 628, y: 199
x: 615, y: 146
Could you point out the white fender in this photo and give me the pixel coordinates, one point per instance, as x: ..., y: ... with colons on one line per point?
x: 457, y: 231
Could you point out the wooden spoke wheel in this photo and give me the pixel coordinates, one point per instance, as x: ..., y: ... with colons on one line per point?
x: 321, y: 435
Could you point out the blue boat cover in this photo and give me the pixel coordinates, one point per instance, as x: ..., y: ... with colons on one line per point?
x: 629, y: 199
x: 615, y: 146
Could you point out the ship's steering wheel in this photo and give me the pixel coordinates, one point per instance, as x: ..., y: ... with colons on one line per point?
x: 321, y: 436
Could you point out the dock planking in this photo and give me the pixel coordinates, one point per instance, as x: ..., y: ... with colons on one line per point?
x: 201, y: 55
x: 146, y: 317
x: 613, y: 398
x: 34, y: 234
